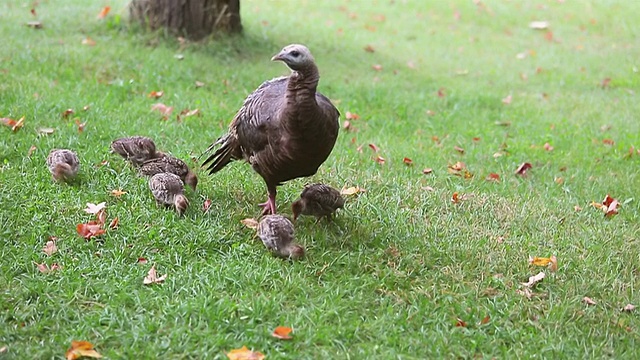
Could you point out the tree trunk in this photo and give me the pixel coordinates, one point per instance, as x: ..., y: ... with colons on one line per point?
x: 194, y: 19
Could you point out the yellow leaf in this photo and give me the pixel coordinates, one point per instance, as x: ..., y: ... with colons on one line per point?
x: 244, y: 354
x: 118, y: 192
x: 282, y: 332
x: 539, y: 261
x: 81, y: 348
x: 251, y: 223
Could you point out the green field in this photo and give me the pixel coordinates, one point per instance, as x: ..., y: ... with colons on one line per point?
x: 402, y: 267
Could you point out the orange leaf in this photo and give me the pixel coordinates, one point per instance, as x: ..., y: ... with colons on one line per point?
x: 608, y: 142
x: 485, y: 320
x: 156, y: 94
x: 407, y: 161
x: 244, y: 354
x: 379, y: 159
x: 522, y: 169
x: 374, y: 147
x: 81, y: 348
x: 114, y: 223
x: 282, y: 333
x: 103, y: 13
x: 455, y: 198
x: 66, y: 113
x: 493, y: 177
x: 90, y: 229
x: 118, y: 192
x: 351, y: 116
x: 460, y: 323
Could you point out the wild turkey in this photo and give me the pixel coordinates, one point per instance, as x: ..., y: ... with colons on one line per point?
x: 136, y: 149
x: 276, y: 233
x: 285, y: 129
x: 63, y: 164
x: 170, y: 164
x: 168, y: 190
x: 319, y: 200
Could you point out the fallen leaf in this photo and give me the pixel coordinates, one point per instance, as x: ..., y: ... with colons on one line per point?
x: 81, y: 349
x: 162, y: 109
x: 525, y: 292
x: 609, y: 142
x: 628, y: 308
x: 117, y: 192
x: 374, y: 147
x: 554, y: 263
x: 507, y: 100
x: 427, y: 171
x: 577, y: 208
x: 156, y: 94
x: 244, y: 354
x: 347, y: 125
x: 282, y: 332
x: 376, y: 67
x: 46, y: 131
x: 94, y: 209
x: 476, y: 139
x: 548, y: 147
x: 90, y: 229
x: 455, y: 198
x: 559, y: 180
x: 35, y: 24
x: 50, y: 248
x: 588, y: 301
x: 206, y: 205
x: 369, y: 49
x: 15, y: 125
x: 539, y: 261
x: 459, y: 166
x: 503, y: 123
x: 485, y: 320
x: 351, y: 116
x: 88, y: 41
x: 44, y: 268
x: 493, y: 177
x: 142, y: 260
x: 522, y: 169
x: 31, y: 150
x: 428, y: 188
x: 199, y: 84
x: 609, y: 206
x: 605, y: 83
x: 460, y: 323
x: 103, y: 13
x: 354, y: 190
x: 441, y: 93
x: 458, y: 149
x: 251, y: 223
x: 534, y: 279
x: 379, y: 159
x: 152, y: 277
x: 114, y: 223
x: 3, y: 349
x: 407, y: 161
x: 80, y: 125
x: 66, y: 113
x: 539, y: 25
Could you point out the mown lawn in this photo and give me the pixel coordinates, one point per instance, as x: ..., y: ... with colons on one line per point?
x: 402, y: 265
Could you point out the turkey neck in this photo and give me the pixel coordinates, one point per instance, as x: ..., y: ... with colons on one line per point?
x: 301, y: 90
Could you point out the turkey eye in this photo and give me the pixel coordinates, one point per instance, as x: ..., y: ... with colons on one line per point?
x: 295, y: 53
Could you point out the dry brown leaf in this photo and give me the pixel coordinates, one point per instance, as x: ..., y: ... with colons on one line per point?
x: 90, y: 229
x: 152, y: 277
x: 534, y: 279
x: 485, y: 320
x: 554, y: 263
x: 46, y: 131
x: 526, y: 292
x: 374, y: 147
x: 441, y: 93
x: 507, y: 100
x: 588, y: 301
x: 251, y: 223
x: 50, y: 248
x: 460, y: 323
x: 15, y: 125
x: 206, y: 205
x: 628, y: 308
x: 376, y: 67
x: 522, y: 169
x: 80, y: 125
x: 44, y: 268
x: 35, y: 24
x: 117, y: 192
x: 455, y: 198
x: 577, y: 208
x: 407, y: 161
x: 94, y: 209
x: 354, y: 190
x: 142, y: 260
x: 81, y: 349
x: 114, y: 223
x: 351, y: 116
x: 427, y: 171
x: 31, y: 150
x: 605, y: 83
x: 88, y: 41
x: 282, y: 332
x: 458, y: 149
x: 369, y: 49
x: 103, y: 13
x: 163, y: 109
x: 380, y: 160
x: 609, y: 206
x: 244, y: 354
x: 347, y: 125
x: 548, y: 147
x: 608, y: 142
x: 66, y: 113
x: 199, y: 84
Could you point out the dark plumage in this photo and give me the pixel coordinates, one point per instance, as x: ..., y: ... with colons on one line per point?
x: 276, y: 233
x: 284, y: 129
x: 136, y: 149
x: 170, y: 164
x: 63, y: 164
x: 168, y: 190
x: 318, y: 200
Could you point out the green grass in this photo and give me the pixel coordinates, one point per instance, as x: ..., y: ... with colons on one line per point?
x: 391, y: 276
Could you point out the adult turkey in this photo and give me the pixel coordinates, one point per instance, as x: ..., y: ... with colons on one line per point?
x: 285, y: 129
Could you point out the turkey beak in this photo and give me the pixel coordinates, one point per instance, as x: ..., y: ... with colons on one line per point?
x: 278, y: 57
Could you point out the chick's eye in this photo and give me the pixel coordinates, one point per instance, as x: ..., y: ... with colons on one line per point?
x: 295, y: 53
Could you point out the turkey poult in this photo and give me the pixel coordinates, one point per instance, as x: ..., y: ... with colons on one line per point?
x: 285, y: 129
x: 276, y: 233
x: 136, y: 149
x: 319, y: 200
x: 168, y: 190
x: 63, y: 164
x: 170, y: 164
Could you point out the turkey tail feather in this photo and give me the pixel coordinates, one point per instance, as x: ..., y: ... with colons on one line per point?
x: 222, y: 156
